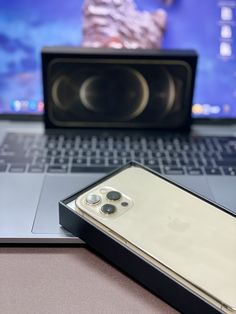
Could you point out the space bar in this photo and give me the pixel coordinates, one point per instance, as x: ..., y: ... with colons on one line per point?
x: 90, y: 169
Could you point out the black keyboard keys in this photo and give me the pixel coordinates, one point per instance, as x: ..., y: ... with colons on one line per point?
x: 18, y: 168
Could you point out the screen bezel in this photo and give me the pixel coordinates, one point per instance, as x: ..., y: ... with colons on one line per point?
x: 39, y: 117
x: 21, y: 117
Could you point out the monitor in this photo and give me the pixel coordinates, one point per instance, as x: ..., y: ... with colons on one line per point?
x: 209, y: 27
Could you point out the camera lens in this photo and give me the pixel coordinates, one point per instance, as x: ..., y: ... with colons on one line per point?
x: 113, y: 195
x: 93, y: 199
x: 108, y: 209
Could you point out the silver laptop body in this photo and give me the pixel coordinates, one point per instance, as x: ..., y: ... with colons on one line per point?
x: 29, y: 201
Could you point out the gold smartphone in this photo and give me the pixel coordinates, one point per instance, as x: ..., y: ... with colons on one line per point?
x: 188, y: 238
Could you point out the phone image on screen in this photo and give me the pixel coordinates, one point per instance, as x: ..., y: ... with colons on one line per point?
x: 190, y: 239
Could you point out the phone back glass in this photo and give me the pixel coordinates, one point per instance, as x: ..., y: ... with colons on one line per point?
x: 193, y: 239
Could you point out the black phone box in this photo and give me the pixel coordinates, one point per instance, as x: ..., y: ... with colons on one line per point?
x: 145, y: 273
x: 118, y: 88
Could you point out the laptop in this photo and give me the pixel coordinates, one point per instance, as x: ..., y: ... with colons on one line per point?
x: 38, y: 168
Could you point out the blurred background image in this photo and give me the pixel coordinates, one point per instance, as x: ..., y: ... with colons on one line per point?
x: 206, y: 26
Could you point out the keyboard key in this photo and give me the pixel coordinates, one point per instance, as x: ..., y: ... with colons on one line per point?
x: 2, y: 161
x: 43, y: 160
x: 36, y: 152
x: 115, y: 161
x: 168, y: 162
x: 79, y: 161
x: 15, y: 160
x: 160, y: 154
x: 227, y: 162
x: 88, y: 153
x: 230, y: 171
x: 151, y: 162
x: 212, y: 171
x: 3, y: 168
x: 173, y: 171
x: 5, y: 153
x: 17, y: 168
x: 53, y: 153
x: 92, y: 169
x: 61, y: 161
x: 124, y: 153
x: 140, y: 154
x: 205, y: 163
x: 186, y: 162
x: 106, y: 153
x: 36, y: 169
x: 71, y: 153
x: 57, y: 169
x: 194, y: 171
x: 97, y: 161
x: 226, y: 156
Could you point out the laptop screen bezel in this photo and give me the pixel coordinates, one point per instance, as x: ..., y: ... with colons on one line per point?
x: 21, y: 117
x: 39, y: 117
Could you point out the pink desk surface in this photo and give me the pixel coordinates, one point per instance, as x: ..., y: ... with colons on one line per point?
x: 68, y: 280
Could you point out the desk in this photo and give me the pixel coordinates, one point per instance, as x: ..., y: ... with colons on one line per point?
x: 68, y: 280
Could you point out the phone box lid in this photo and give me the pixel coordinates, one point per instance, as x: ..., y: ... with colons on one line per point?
x: 118, y: 88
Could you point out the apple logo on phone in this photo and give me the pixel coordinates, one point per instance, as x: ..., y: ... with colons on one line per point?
x: 177, y: 224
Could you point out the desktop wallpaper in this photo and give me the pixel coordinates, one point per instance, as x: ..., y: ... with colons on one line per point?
x: 206, y: 26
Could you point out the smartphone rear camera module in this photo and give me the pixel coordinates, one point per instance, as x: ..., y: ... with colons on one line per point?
x: 108, y: 209
x: 93, y: 199
x: 113, y: 196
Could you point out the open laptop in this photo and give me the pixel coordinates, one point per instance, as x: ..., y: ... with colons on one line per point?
x: 35, y: 174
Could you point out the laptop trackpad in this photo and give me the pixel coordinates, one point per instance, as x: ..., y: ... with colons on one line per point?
x: 58, y: 187
x: 224, y: 191
x: 55, y: 188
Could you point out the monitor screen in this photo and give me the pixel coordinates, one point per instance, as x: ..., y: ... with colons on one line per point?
x: 209, y: 27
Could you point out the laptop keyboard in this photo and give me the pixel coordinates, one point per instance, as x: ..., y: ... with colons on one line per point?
x: 170, y: 155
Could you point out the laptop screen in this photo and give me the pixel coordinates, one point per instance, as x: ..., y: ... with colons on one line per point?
x: 209, y: 27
